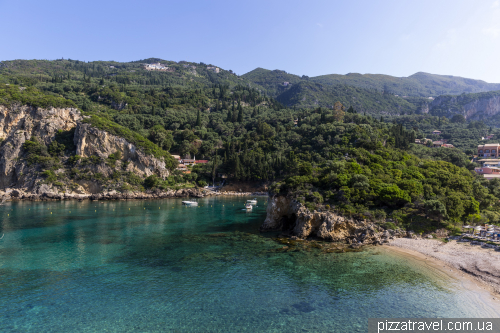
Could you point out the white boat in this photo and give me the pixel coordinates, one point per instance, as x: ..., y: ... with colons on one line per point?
x: 190, y: 203
x: 252, y: 202
x: 248, y: 206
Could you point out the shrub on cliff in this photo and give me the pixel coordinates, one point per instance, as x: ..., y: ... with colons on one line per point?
x: 31, y: 96
x: 138, y: 140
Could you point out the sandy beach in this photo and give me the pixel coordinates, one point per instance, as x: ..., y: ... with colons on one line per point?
x: 481, y: 264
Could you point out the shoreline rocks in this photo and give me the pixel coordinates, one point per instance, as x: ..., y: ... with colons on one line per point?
x: 19, y: 194
x: 296, y: 221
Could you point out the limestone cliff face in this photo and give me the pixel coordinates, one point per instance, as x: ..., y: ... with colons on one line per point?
x: 20, y: 123
x: 91, y: 141
x: 293, y: 218
x: 471, y: 107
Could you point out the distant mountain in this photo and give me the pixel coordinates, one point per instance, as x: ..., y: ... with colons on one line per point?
x: 274, y: 82
x: 419, y: 84
x: 311, y: 94
x: 479, y: 106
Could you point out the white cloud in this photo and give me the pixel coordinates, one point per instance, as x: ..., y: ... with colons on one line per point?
x: 491, y: 31
x: 495, y: 4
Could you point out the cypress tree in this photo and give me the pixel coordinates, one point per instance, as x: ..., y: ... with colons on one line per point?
x: 214, y: 169
x: 237, y: 170
x: 240, y: 115
x: 198, y: 119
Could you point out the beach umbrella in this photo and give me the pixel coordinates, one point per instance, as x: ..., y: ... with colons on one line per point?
x: 467, y: 227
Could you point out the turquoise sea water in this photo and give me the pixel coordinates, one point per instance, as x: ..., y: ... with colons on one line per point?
x: 158, y: 266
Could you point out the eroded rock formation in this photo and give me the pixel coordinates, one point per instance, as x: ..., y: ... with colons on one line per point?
x: 91, y: 141
x: 473, y: 107
x: 20, y: 123
x: 296, y: 220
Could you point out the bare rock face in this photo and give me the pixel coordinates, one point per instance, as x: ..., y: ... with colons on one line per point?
x: 91, y: 141
x: 20, y: 123
x: 293, y: 218
x: 474, y: 109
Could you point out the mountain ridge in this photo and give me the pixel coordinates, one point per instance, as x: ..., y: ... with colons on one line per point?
x: 419, y: 84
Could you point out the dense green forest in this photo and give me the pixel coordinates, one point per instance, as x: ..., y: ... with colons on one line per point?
x: 306, y: 94
x: 419, y: 84
x: 334, y: 158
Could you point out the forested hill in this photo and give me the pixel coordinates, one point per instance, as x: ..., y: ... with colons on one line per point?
x: 311, y: 94
x: 333, y: 158
x: 418, y: 85
x: 370, y: 93
x: 34, y: 72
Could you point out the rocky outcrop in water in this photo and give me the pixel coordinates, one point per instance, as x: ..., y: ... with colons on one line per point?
x: 295, y: 220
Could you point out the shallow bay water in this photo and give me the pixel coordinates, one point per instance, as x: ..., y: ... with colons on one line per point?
x: 158, y: 266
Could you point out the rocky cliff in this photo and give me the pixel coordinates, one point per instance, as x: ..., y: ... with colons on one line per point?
x: 91, y: 141
x: 471, y: 106
x: 20, y: 123
x: 79, y: 167
x: 295, y: 220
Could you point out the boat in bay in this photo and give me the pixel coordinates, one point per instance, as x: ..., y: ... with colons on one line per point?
x: 190, y: 203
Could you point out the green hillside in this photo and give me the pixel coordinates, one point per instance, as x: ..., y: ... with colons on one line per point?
x: 273, y: 82
x: 419, y: 84
x: 38, y: 72
x: 327, y: 158
x: 311, y: 94
x: 449, y: 105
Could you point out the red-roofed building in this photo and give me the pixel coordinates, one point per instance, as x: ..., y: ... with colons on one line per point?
x: 201, y: 161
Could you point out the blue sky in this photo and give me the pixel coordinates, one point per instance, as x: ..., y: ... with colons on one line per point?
x: 453, y: 37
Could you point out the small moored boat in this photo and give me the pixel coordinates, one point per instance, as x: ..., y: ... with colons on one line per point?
x: 248, y: 206
x: 252, y: 202
x: 190, y: 203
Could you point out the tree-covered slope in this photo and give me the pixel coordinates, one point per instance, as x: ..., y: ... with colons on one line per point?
x: 329, y: 158
x: 34, y: 72
x: 272, y: 81
x: 419, y: 84
x: 310, y: 94
x: 477, y: 106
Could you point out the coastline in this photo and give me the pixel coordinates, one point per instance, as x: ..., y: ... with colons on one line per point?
x: 19, y: 195
x: 475, y: 268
